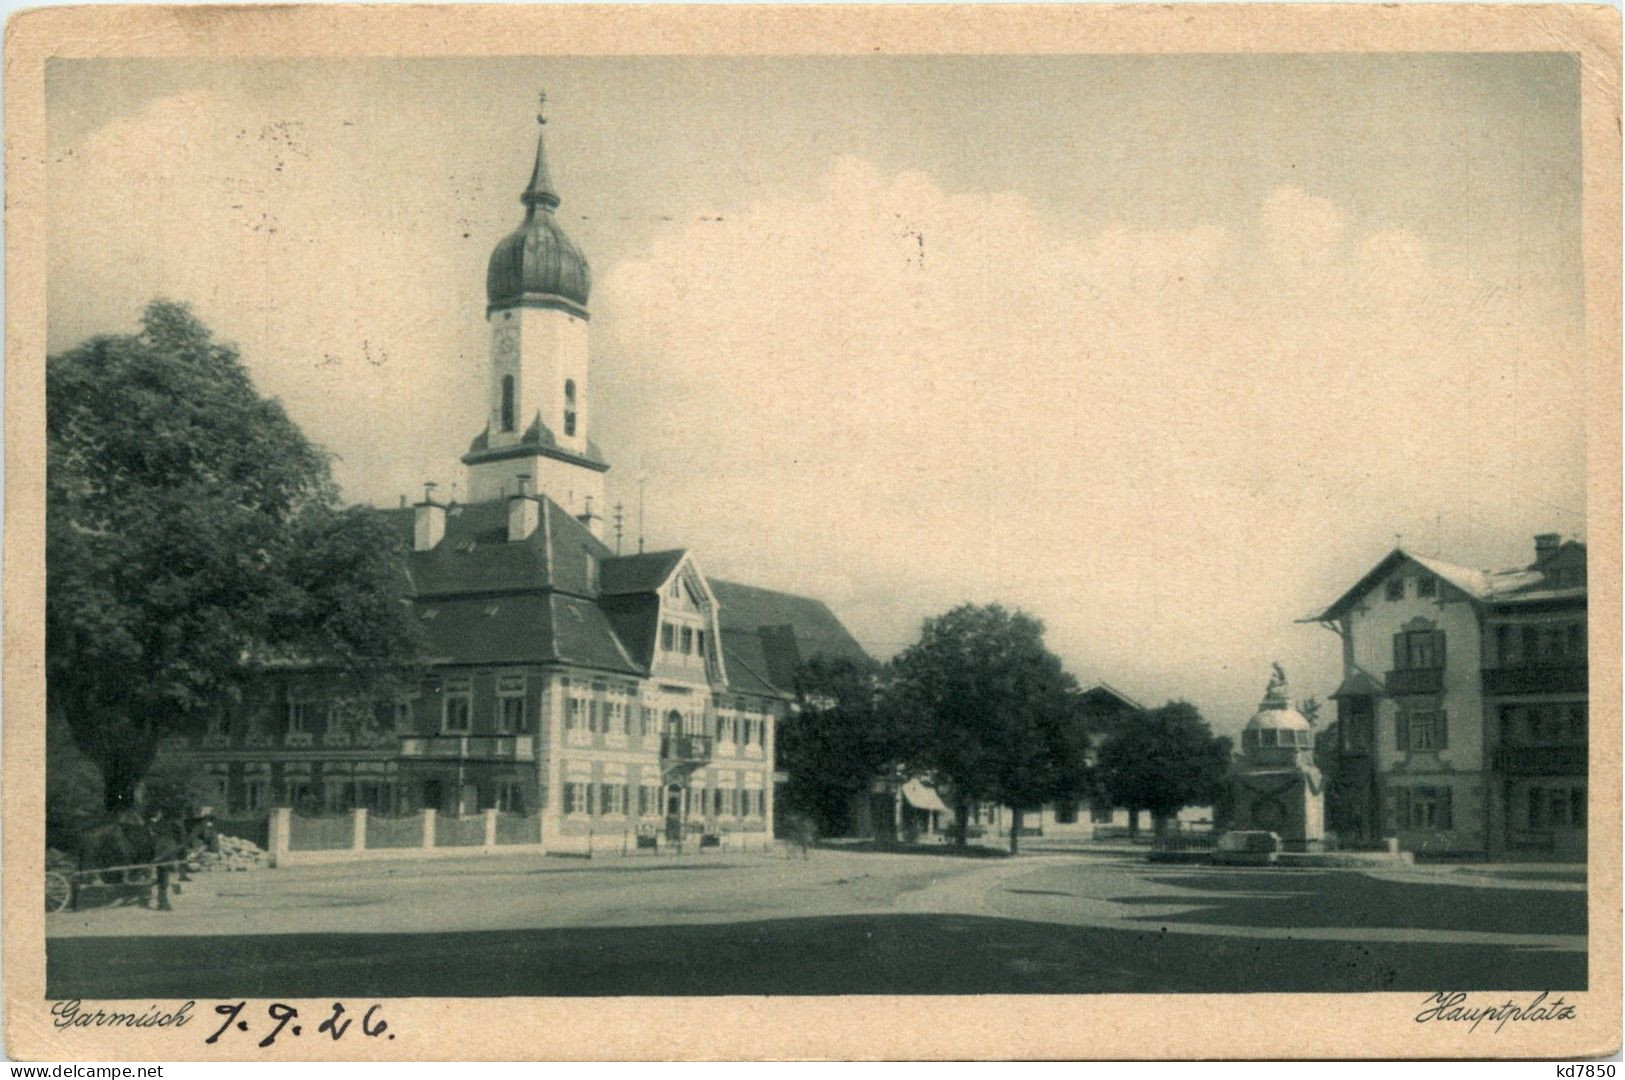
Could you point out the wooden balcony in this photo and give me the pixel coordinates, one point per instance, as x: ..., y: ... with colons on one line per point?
x: 1545, y: 679
x: 469, y: 747
x: 1415, y: 681
x: 1541, y: 760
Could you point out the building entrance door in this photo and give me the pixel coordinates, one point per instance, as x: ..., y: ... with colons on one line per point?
x: 674, y: 815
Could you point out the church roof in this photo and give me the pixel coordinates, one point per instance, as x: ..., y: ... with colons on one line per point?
x: 537, y: 259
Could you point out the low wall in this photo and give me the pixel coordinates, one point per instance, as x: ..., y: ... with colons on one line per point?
x: 293, y: 839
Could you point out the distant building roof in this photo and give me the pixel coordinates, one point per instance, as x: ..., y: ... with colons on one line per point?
x: 814, y: 629
x: 1521, y: 585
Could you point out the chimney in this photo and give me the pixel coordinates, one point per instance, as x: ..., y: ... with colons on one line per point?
x: 429, y: 523
x: 593, y: 522
x: 524, y: 511
x: 1545, y: 545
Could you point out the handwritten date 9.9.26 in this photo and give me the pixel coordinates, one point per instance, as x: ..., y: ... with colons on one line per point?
x: 286, y: 1017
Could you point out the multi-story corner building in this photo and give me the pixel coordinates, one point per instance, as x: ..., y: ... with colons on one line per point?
x: 1461, y: 717
x: 611, y: 694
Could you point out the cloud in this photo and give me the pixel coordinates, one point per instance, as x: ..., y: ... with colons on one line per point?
x: 1151, y: 438
x: 1167, y: 442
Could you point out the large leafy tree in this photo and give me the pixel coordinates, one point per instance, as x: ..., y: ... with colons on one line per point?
x: 192, y: 530
x: 1164, y: 760
x: 837, y: 743
x: 987, y: 710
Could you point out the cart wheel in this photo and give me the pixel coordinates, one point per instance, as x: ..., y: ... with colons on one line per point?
x: 57, y: 891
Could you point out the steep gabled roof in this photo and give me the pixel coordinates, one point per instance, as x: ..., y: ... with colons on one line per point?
x: 1482, y: 586
x: 816, y: 630
x: 644, y: 573
x: 1108, y: 695
x: 748, y: 668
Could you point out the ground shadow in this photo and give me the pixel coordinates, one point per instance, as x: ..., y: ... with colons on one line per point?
x: 863, y: 954
x: 1288, y: 899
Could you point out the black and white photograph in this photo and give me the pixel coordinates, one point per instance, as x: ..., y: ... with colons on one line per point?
x: 890, y: 523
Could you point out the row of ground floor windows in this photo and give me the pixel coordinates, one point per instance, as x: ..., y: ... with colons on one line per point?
x: 614, y: 800
x: 1539, y: 806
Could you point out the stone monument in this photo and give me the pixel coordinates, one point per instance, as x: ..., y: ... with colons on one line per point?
x: 1275, y: 785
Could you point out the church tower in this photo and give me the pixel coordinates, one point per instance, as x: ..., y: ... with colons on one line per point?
x: 537, y: 425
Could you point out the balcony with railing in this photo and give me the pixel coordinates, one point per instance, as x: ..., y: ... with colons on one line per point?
x: 469, y: 747
x: 685, y: 749
x: 1415, y: 681
x: 1513, y: 760
x: 1537, y: 679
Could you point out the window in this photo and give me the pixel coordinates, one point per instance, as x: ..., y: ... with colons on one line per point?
x: 1427, y: 586
x: 717, y: 802
x: 612, y: 799
x: 696, y: 801
x: 1424, y: 808
x: 1422, y: 730
x: 688, y: 640
x: 1508, y: 646
x: 507, y: 403
x: 667, y: 636
x: 573, y: 714
x: 403, y: 712
x: 592, y: 715
x: 253, y: 795
x: 569, y: 407
x: 511, y: 797
x: 1396, y: 589
x: 1066, y: 813
x: 298, y: 717
x: 576, y: 797
x: 699, y: 642
x: 457, y: 716
x: 511, y: 718
x: 1419, y: 650
x: 592, y: 569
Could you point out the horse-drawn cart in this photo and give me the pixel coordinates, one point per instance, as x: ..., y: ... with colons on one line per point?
x: 62, y: 887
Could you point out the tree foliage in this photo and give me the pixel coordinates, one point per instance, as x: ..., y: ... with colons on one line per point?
x: 836, y: 744
x: 986, y: 709
x: 1165, y: 760
x: 191, y: 526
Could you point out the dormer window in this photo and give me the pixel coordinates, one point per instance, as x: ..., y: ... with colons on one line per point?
x: 569, y: 408
x: 507, y: 403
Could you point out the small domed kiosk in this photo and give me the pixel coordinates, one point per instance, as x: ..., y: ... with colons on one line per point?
x: 1275, y: 786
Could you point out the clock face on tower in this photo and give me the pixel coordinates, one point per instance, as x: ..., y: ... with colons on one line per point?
x: 505, y: 343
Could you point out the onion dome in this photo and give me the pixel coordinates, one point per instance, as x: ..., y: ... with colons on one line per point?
x: 537, y: 259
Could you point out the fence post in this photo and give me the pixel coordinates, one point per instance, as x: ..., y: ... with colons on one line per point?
x: 276, y: 841
x: 358, y: 829
x: 491, y: 828
x: 428, y: 826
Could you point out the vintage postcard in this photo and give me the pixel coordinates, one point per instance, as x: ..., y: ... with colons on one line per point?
x: 812, y: 532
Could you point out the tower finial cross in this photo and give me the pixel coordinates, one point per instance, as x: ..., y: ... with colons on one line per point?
x: 541, y: 107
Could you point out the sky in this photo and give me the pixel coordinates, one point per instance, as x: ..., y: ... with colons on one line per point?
x: 1166, y: 351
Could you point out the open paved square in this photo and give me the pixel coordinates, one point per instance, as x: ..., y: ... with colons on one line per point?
x: 839, y: 922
